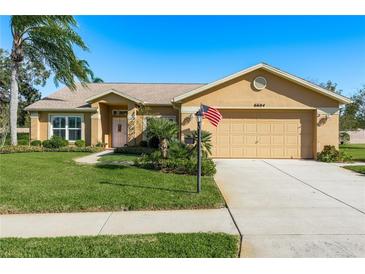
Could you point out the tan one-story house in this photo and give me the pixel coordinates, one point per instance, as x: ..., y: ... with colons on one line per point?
x: 267, y: 113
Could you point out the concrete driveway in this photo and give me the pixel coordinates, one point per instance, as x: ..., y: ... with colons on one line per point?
x: 295, y: 208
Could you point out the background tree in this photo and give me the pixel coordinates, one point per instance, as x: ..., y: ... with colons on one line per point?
x: 353, y: 115
x: 30, y: 77
x: 47, y: 41
x: 331, y: 86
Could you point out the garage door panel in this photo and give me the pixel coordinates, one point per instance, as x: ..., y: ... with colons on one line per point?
x: 249, y: 152
x: 237, y: 127
x: 250, y: 140
x: 292, y: 127
x: 264, y: 134
x: 277, y: 152
x: 264, y: 140
x: 237, y: 151
x: 264, y: 128
x: 292, y: 140
x: 223, y: 140
x: 291, y: 152
x: 263, y: 151
x: 251, y: 127
x: 278, y: 140
x: 278, y: 128
x: 237, y: 140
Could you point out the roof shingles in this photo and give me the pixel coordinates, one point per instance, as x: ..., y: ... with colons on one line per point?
x: 77, y: 100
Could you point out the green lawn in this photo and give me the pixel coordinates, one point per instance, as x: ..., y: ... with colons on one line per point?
x: 194, y: 245
x: 359, y: 169
x: 357, y: 151
x: 117, y: 157
x: 53, y: 182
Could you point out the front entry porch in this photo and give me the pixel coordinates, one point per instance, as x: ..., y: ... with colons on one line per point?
x: 114, y: 125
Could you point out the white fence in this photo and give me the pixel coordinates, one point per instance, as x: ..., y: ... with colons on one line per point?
x: 357, y: 136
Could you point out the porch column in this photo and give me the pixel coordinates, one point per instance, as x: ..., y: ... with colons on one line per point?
x: 96, y: 129
x: 34, y: 126
x: 132, y: 120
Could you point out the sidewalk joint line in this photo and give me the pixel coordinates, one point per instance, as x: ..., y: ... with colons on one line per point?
x: 107, y: 219
x: 307, y: 184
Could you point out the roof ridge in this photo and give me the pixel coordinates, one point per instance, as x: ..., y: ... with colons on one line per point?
x: 144, y: 83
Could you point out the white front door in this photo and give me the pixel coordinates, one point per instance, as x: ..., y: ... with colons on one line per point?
x: 119, y: 131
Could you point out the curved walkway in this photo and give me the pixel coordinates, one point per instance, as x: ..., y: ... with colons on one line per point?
x: 93, y: 158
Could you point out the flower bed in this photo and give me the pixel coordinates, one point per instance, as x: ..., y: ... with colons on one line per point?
x: 23, y: 149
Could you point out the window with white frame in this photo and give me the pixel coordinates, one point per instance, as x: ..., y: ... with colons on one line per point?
x: 67, y: 127
x: 146, y: 117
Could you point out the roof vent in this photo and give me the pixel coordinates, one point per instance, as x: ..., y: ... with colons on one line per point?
x: 260, y: 83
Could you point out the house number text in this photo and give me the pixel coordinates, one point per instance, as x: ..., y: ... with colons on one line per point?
x: 258, y: 105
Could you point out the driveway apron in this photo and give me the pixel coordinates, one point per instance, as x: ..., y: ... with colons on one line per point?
x: 295, y: 208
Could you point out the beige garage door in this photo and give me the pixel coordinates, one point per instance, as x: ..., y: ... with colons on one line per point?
x: 263, y: 134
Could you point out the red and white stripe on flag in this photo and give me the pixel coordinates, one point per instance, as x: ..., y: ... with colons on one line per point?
x: 212, y: 114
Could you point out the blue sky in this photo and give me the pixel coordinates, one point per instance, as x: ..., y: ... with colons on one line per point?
x: 201, y: 49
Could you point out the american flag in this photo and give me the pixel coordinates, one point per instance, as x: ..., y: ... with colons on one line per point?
x: 212, y: 114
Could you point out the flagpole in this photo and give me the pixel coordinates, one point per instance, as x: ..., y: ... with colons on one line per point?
x: 199, y: 156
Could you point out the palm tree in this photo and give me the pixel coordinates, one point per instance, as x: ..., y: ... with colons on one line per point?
x: 206, y: 141
x: 48, y: 41
x: 165, y: 130
x: 86, y: 67
x: 96, y: 80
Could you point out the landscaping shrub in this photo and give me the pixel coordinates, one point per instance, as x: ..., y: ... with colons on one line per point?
x: 80, y: 143
x: 55, y: 142
x: 23, y: 142
x: 206, y: 141
x: 143, y: 143
x: 23, y: 139
x: 153, y: 142
x: 179, y: 166
x: 100, y: 144
x: 345, y: 157
x: 36, y: 143
x: 137, y: 150
x: 330, y: 154
x: 21, y: 149
x: 179, y: 150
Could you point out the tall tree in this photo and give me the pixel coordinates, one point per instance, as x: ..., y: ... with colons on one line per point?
x: 47, y: 41
x: 30, y: 77
x: 331, y: 86
x: 353, y: 115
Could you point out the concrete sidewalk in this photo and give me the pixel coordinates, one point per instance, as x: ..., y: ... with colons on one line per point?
x: 116, y: 223
x: 93, y: 158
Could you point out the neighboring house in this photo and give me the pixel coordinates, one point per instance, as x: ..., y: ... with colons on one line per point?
x: 267, y: 113
x: 357, y: 136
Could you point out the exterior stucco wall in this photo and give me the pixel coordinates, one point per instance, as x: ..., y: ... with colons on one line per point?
x: 43, y: 125
x: 327, y: 128
x: 151, y: 111
x: 87, y: 121
x: 34, y: 126
x: 40, y: 125
x: 278, y: 93
x: 101, y: 122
